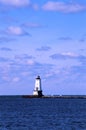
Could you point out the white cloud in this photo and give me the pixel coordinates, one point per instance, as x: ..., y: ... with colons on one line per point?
x: 16, y: 79
x: 17, y: 3
x: 66, y: 55
x: 30, y: 62
x: 63, y: 7
x: 25, y: 59
x: 70, y: 54
x: 13, y: 30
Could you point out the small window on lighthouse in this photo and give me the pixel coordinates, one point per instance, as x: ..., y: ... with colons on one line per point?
x: 37, y: 88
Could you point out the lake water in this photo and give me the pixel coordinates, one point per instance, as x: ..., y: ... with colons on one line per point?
x: 17, y: 113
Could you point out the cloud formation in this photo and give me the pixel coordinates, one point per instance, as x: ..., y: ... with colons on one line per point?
x: 24, y: 56
x: 15, y: 30
x: 5, y: 49
x: 43, y: 48
x: 70, y: 56
x: 67, y: 55
x: 16, y: 3
x: 63, y: 7
x: 21, y: 67
x: 65, y: 38
x: 25, y: 59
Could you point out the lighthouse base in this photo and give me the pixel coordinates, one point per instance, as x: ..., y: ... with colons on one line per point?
x: 40, y: 93
x: 37, y: 93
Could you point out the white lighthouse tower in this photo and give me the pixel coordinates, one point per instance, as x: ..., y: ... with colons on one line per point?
x: 38, y: 90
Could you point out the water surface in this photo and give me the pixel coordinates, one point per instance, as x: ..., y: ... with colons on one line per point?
x: 17, y: 113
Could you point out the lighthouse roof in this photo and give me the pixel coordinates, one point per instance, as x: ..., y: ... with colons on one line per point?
x: 38, y: 77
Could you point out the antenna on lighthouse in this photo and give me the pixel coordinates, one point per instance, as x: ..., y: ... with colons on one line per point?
x: 38, y: 89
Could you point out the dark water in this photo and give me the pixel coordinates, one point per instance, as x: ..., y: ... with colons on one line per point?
x: 17, y: 113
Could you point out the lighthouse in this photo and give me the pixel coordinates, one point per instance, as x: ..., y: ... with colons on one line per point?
x: 38, y: 90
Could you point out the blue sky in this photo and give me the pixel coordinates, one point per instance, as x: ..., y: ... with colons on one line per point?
x: 46, y: 38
